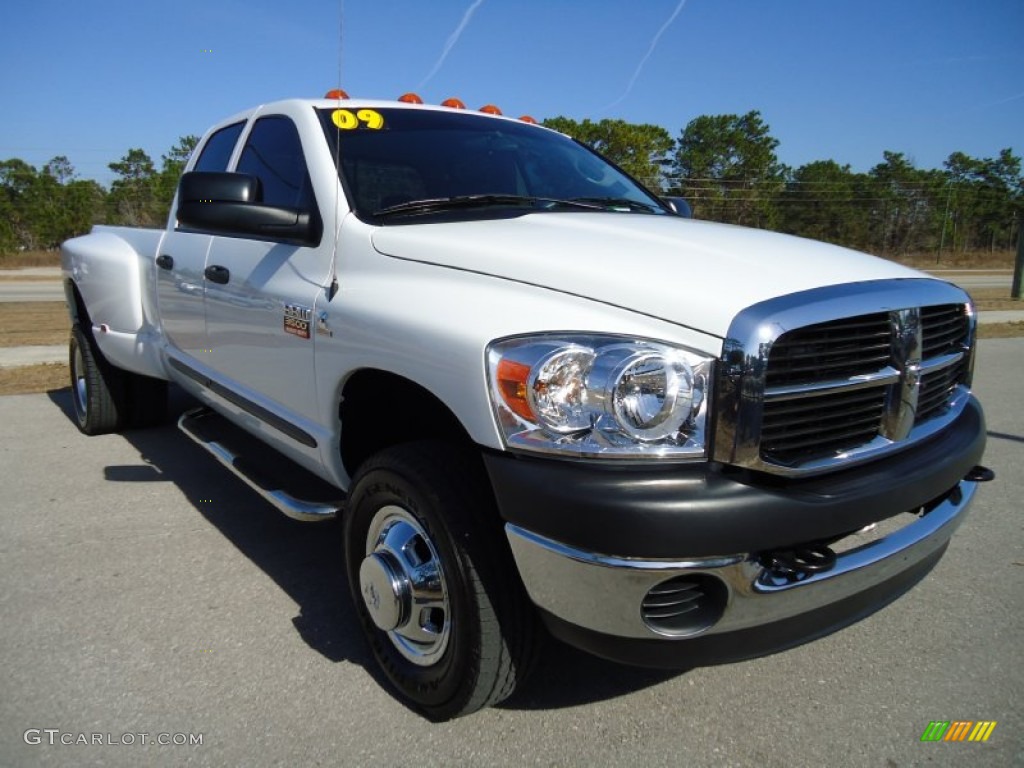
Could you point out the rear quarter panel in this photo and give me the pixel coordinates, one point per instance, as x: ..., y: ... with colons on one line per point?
x: 112, y: 270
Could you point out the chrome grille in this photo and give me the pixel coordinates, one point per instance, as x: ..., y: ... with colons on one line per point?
x: 830, y: 350
x: 944, y: 328
x: 945, y: 331
x: 807, y: 424
x: 806, y: 389
x: 936, y: 390
x: 795, y: 429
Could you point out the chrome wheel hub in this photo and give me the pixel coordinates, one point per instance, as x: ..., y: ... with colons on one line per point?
x: 78, y: 389
x: 403, y: 586
x: 385, y: 590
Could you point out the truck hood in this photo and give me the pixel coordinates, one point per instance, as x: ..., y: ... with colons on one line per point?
x: 693, y: 273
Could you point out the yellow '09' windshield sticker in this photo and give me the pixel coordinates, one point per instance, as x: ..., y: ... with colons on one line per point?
x: 348, y: 120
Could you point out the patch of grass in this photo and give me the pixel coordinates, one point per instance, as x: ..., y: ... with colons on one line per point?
x: 970, y: 260
x: 30, y: 259
x: 995, y: 298
x: 29, y: 379
x: 33, y: 322
x: 1000, y: 330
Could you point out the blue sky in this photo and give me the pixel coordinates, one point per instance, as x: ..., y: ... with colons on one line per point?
x: 833, y: 79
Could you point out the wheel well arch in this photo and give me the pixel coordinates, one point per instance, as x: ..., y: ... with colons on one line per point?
x: 76, y: 305
x: 379, y: 409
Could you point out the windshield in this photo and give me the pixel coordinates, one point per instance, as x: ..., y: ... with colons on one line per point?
x: 400, y: 164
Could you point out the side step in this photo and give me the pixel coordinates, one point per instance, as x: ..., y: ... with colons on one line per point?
x: 225, y: 442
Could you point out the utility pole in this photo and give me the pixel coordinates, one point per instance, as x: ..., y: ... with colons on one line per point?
x: 1018, y: 269
x: 945, y: 221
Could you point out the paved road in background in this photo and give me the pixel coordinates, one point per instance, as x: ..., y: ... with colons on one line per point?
x: 971, y: 279
x: 143, y: 589
x: 31, y: 284
x: 31, y: 290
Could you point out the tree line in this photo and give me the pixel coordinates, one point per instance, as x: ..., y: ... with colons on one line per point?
x: 40, y: 208
x: 726, y: 166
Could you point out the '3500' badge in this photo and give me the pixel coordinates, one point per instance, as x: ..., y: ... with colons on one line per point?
x: 296, y: 320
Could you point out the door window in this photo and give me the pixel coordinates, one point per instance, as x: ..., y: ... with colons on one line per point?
x: 217, y: 150
x: 273, y: 153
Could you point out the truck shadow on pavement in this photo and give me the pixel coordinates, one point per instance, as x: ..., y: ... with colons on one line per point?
x: 567, y: 677
x: 304, y: 560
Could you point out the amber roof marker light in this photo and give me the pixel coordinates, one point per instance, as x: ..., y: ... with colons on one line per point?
x: 452, y: 103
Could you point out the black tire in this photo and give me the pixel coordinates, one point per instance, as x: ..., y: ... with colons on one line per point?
x: 106, y: 398
x: 477, y: 638
x: 97, y: 388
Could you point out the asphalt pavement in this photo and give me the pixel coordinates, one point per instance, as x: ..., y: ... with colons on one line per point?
x: 971, y: 279
x: 144, y: 590
x: 31, y: 284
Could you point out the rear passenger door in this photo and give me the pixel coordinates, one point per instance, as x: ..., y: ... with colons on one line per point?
x: 180, y: 282
x: 260, y: 293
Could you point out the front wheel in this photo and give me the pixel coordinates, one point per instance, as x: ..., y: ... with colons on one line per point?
x: 433, y: 580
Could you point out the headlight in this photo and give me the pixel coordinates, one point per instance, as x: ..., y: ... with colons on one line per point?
x: 600, y: 396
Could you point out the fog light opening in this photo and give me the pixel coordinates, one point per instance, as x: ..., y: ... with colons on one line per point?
x: 684, y: 605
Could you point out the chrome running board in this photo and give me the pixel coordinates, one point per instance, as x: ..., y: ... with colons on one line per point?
x: 192, y: 423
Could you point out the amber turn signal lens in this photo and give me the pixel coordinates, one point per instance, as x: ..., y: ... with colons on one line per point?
x: 512, y: 378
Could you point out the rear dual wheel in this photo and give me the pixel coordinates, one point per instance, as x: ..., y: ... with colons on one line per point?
x: 433, y: 581
x: 107, y: 398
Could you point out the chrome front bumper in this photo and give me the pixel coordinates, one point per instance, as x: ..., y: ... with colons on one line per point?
x: 604, y: 593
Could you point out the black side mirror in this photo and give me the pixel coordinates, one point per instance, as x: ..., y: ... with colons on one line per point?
x: 680, y: 207
x: 231, y: 204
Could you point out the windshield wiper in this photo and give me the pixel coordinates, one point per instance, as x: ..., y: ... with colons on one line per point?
x: 432, y: 205
x: 618, y: 202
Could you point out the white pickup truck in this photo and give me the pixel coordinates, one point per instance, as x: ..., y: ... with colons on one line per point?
x: 543, y: 399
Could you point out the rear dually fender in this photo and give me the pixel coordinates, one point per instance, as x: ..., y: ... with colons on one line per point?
x: 109, y: 274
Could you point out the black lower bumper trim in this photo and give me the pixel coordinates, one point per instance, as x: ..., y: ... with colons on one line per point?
x: 700, y: 510
x: 742, y: 644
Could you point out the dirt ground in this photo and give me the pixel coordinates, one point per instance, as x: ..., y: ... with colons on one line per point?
x: 1001, y: 330
x: 30, y: 259
x: 24, y: 323
x: 33, y: 378
x: 31, y: 323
